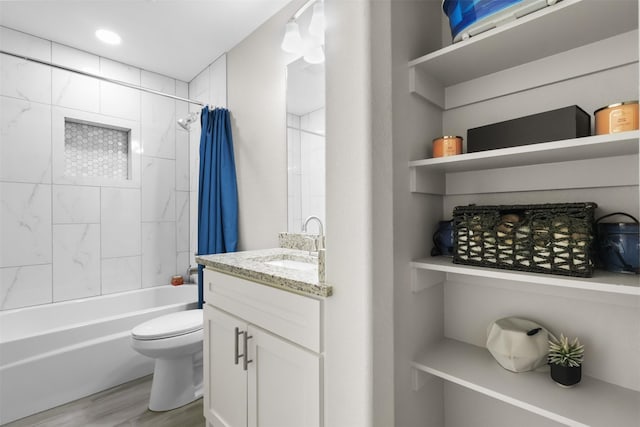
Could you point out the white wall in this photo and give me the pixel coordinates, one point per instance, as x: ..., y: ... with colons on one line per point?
x: 413, y: 215
x: 348, y: 319
x: 256, y: 85
x: 66, y: 238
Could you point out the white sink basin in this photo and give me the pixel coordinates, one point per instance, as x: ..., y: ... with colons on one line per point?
x: 292, y: 264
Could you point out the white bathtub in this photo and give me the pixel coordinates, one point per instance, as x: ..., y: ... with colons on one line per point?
x: 55, y: 353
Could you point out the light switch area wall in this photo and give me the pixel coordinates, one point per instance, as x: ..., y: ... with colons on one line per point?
x: 66, y: 237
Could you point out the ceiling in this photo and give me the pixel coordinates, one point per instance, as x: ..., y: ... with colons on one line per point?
x: 171, y: 37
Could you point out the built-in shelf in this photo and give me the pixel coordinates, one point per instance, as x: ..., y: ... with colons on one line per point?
x: 591, y: 403
x: 590, y: 147
x: 541, y: 34
x: 602, y: 281
x: 594, y: 161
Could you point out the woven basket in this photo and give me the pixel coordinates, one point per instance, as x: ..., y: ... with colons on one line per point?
x: 547, y: 238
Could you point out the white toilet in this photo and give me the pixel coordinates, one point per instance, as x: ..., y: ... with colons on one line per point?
x: 175, y: 342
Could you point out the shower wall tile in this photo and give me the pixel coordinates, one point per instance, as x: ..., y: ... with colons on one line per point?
x: 119, y: 101
x: 199, y: 89
x: 218, y: 82
x: 182, y: 90
x: 25, y: 141
x: 193, y: 225
x: 74, y: 58
x: 158, y: 253
x: 76, y: 256
x: 24, y: 44
x: 76, y: 204
x: 182, y: 263
x: 120, y: 71
x: 158, y: 124
x: 182, y: 160
x: 182, y: 220
x: 182, y: 139
x: 20, y: 78
x: 121, y: 274
x: 25, y: 224
x: 83, y: 237
x: 158, y: 82
x: 73, y: 90
x: 194, y: 157
x: 120, y: 216
x: 158, y: 189
x: 25, y: 286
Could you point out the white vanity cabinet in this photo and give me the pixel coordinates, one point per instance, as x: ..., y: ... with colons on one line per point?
x: 262, y: 353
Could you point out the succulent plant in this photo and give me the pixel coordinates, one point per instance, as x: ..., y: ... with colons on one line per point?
x: 565, y: 353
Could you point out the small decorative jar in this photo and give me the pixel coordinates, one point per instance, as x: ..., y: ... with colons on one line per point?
x: 620, y: 117
x: 447, y: 146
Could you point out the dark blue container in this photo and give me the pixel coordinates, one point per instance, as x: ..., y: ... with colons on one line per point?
x: 443, y: 239
x: 619, y: 245
x: 470, y: 17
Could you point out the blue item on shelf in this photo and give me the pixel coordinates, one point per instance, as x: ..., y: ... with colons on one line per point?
x: 443, y: 239
x: 619, y: 245
x: 471, y: 17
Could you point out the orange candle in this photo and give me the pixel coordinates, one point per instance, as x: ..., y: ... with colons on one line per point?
x: 447, y: 146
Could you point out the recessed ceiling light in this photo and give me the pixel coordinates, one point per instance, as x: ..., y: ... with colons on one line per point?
x: 108, y: 37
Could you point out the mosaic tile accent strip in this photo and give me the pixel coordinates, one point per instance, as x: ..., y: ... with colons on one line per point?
x: 95, y: 151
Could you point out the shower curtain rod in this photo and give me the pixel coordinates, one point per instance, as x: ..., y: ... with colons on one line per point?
x: 99, y: 77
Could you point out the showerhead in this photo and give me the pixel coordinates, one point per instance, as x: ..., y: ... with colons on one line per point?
x: 185, y: 122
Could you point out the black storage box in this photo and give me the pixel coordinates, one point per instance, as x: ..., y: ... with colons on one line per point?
x: 564, y: 123
x: 544, y: 238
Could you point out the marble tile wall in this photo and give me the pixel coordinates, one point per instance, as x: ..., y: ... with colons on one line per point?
x: 64, y: 238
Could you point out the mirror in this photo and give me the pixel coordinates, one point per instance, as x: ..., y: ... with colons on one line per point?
x: 305, y: 144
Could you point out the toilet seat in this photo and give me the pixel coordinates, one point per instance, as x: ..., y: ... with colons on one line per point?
x: 169, y: 325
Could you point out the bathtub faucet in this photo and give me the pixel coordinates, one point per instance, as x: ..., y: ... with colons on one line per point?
x: 190, y: 272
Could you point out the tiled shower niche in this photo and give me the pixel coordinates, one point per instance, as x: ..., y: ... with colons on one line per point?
x: 96, y: 150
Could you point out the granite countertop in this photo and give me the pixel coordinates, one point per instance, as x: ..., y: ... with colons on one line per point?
x: 251, y: 265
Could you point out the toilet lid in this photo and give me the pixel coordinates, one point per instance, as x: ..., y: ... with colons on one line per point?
x: 169, y: 325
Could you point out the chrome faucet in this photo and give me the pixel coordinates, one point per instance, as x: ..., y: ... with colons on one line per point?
x: 320, y: 244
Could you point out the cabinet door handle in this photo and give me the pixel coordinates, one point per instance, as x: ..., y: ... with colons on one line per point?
x: 246, y: 360
x: 237, y: 355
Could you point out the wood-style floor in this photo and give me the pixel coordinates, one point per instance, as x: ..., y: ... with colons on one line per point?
x: 124, y: 405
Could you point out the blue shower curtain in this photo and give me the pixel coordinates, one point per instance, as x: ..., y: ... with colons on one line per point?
x: 218, y: 191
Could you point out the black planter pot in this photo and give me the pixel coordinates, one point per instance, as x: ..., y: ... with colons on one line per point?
x: 566, y: 376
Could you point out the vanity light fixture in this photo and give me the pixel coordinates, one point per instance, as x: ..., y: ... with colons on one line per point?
x: 310, y: 47
x: 316, y: 27
x: 292, y: 42
x: 108, y: 37
x: 314, y: 55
